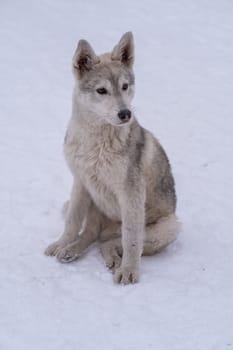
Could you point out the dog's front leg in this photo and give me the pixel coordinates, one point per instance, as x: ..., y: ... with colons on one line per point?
x: 77, y: 211
x: 133, y: 226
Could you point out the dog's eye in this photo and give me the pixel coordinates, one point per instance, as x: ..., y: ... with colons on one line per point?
x: 125, y: 86
x: 102, y: 91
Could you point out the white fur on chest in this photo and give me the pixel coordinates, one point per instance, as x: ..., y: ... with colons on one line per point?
x: 100, y: 168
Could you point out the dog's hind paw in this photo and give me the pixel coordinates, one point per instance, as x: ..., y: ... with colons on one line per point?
x: 112, y: 253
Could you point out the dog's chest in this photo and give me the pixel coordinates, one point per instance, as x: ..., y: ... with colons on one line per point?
x: 102, y: 171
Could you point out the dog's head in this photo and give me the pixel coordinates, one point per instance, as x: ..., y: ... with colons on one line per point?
x: 106, y: 82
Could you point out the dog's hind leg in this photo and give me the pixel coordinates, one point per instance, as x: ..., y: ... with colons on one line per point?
x: 157, y: 236
x: 160, y: 234
x: 112, y: 253
x: 111, y: 245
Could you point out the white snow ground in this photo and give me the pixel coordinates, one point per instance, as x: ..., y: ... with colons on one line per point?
x: 184, y: 74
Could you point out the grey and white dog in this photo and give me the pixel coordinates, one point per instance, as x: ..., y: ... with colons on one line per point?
x: 123, y: 190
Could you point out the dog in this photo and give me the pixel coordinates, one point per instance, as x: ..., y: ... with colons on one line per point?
x: 123, y: 190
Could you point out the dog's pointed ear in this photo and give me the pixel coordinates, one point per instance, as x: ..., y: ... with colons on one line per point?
x: 84, y: 58
x: 124, y: 50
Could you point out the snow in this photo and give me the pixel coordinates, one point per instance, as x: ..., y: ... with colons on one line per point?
x: 184, y: 75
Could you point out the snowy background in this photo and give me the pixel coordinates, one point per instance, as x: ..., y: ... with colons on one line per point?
x: 184, y: 76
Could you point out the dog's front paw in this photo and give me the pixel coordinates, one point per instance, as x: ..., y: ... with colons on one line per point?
x: 126, y: 275
x: 67, y: 254
x: 53, y: 248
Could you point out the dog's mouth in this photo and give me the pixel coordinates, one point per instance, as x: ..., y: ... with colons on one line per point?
x: 124, y: 122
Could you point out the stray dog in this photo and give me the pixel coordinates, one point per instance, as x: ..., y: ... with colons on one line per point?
x: 123, y: 190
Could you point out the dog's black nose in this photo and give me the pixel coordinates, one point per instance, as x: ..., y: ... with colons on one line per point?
x: 124, y: 115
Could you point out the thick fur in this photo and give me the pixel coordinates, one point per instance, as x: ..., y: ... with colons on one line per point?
x: 123, y: 191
